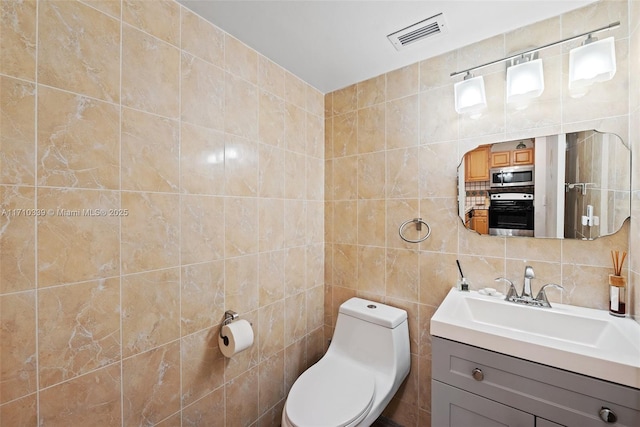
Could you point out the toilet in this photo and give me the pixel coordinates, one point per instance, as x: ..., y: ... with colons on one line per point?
x: 361, y: 371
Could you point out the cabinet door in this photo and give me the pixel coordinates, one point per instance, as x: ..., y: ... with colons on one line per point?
x: 453, y: 407
x: 500, y: 159
x: 481, y: 224
x: 477, y: 165
x: 523, y: 156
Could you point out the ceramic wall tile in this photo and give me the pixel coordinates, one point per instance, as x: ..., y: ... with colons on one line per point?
x: 436, y: 72
x: 150, y: 310
x: 271, y: 275
x: 89, y: 399
x: 371, y: 91
x: 19, y: 356
x: 17, y: 131
x: 151, y: 385
x: 271, y: 224
x: 110, y: 7
x: 241, y: 226
x: 294, y: 270
x: 438, y: 117
x: 402, y: 181
x: 202, y: 155
x: 438, y: 170
x: 202, y: 365
x: 403, y: 82
x: 202, y: 93
x: 402, y: 122
x: 271, y: 119
x: 241, y: 107
x: 150, y: 73
x: 201, y: 228
x: 271, y: 389
x: 344, y: 100
x: 240, y: 59
x: 65, y: 123
x: 201, y: 38
x: 295, y: 217
x: 241, y: 283
x: 370, y: 223
x: 17, y: 239
x: 402, y: 274
x: 18, y: 39
x: 295, y: 90
x: 150, y: 153
x: 294, y: 128
x: 78, y: 329
x: 76, y: 238
x: 160, y: 18
x: 241, y: 167
x: 20, y: 412
x: 371, y: 270
x: 79, y: 50
x: 241, y: 397
x: 371, y: 129
x: 209, y: 411
x: 271, y: 76
x: 272, y: 321
x: 202, y: 302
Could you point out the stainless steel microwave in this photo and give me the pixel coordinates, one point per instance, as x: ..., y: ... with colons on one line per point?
x: 511, y: 176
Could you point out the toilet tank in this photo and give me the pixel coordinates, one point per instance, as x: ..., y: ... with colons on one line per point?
x: 373, y: 334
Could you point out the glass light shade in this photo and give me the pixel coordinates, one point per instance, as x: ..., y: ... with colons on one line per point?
x: 470, y: 96
x: 591, y: 63
x: 525, y: 81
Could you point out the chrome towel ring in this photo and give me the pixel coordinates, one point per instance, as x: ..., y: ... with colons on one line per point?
x: 418, y: 222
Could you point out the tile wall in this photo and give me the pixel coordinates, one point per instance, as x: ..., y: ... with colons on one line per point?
x: 154, y: 172
x: 393, y: 144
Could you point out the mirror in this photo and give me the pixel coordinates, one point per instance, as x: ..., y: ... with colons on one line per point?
x: 575, y: 186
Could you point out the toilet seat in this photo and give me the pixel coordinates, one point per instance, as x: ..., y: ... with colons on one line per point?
x: 337, y: 394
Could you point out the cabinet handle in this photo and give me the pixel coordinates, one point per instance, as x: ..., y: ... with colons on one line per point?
x: 478, y: 375
x: 608, y: 416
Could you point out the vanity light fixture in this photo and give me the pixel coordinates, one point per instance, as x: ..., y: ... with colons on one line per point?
x: 470, y: 96
x: 594, y: 61
x: 527, y: 79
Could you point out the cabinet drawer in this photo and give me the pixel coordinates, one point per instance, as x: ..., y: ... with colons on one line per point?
x: 551, y: 393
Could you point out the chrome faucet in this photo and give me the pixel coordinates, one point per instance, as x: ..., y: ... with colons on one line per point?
x: 527, y: 296
x: 526, y: 287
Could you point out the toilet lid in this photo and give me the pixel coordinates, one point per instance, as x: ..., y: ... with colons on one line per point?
x: 330, y: 394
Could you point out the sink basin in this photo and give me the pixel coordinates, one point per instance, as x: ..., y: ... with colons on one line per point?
x: 577, y: 339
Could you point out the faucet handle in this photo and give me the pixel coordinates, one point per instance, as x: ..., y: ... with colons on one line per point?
x: 542, y: 295
x: 512, y: 293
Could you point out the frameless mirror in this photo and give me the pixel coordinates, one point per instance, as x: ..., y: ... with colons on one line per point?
x: 575, y: 186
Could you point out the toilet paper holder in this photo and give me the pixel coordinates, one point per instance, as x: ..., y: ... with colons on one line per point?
x: 229, y: 316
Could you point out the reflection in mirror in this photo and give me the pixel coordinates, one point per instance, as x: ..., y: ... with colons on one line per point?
x: 575, y: 185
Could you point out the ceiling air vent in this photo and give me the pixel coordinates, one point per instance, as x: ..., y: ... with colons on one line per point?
x: 418, y: 31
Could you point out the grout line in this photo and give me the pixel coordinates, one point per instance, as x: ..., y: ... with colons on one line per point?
x: 180, y: 203
x: 35, y: 195
x: 120, y: 231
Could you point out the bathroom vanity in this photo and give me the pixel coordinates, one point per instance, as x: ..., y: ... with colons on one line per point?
x: 495, y: 363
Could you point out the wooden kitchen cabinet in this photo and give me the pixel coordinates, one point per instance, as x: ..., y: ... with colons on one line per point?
x: 477, y: 165
x: 524, y: 156
x: 480, y: 221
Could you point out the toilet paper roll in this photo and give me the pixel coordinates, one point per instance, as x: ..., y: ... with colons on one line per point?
x: 239, y: 337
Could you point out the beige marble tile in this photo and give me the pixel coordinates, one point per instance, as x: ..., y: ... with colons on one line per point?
x: 18, y: 351
x: 315, y: 308
x: 537, y: 34
x: 201, y: 93
x: 402, y: 181
x: 586, y: 286
x: 315, y: 136
x: 295, y: 218
x: 273, y: 416
x: 201, y: 38
x: 271, y: 388
x: 240, y: 107
x: 150, y: 74
x: 272, y: 327
x: 472, y: 243
x: 241, y: 164
x: 403, y: 82
x: 76, y: 239
x: 240, y: 59
x: 295, y: 362
x: 201, y: 296
x: 438, y: 170
x: 79, y: 49
x: 150, y: 232
x: 201, y: 228
x: 89, y: 399
x: 271, y: 276
x: 534, y: 249
x: 425, y: 313
x: 241, y: 283
x: 241, y: 226
x: 371, y: 177
x: 401, y: 274
x: 18, y: 39
x: 344, y: 100
x: 492, y: 120
x: 314, y: 101
x: 438, y: 116
x: 294, y: 128
x: 17, y: 239
x: 370, y: 223
x: 17, y: 131
x: 371, y: 128
x: 402, y: 122
x: 78, y: 329
x: 202, y: 365
x: 345, y: 219
x: 481, y: 271
x: 158, y: 18
x: 295, y: 90
x: 295, y: 175
x: 442, y: 216
x: 314, y: 186
x: 399, y: 211
x: 151, y: 385
x: 270, y: 76
x: 438, y: 274
x: 207, y: 411
x: 20, y: 412
x: 201, y: 160
x: 436, y: 72
x: 110, y: 7
x: 595, y: 252
x: 270, y: 224
x: 345, y: 134
x: 271, y: 119
x: 295, y: 319
x: 371, y: 271
x: 241, y: 397
x: 371, y: 91
x: 78, y: 141
x: 150, y: 152
x: 294, y: 270
x: 150, y: 310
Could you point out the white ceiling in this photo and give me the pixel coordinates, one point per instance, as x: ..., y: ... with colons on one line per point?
x: 331, y: 44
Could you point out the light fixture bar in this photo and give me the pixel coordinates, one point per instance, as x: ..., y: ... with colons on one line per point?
x: 506, y: 58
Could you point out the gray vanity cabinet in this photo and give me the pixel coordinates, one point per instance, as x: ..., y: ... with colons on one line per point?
x: 477, y: 387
